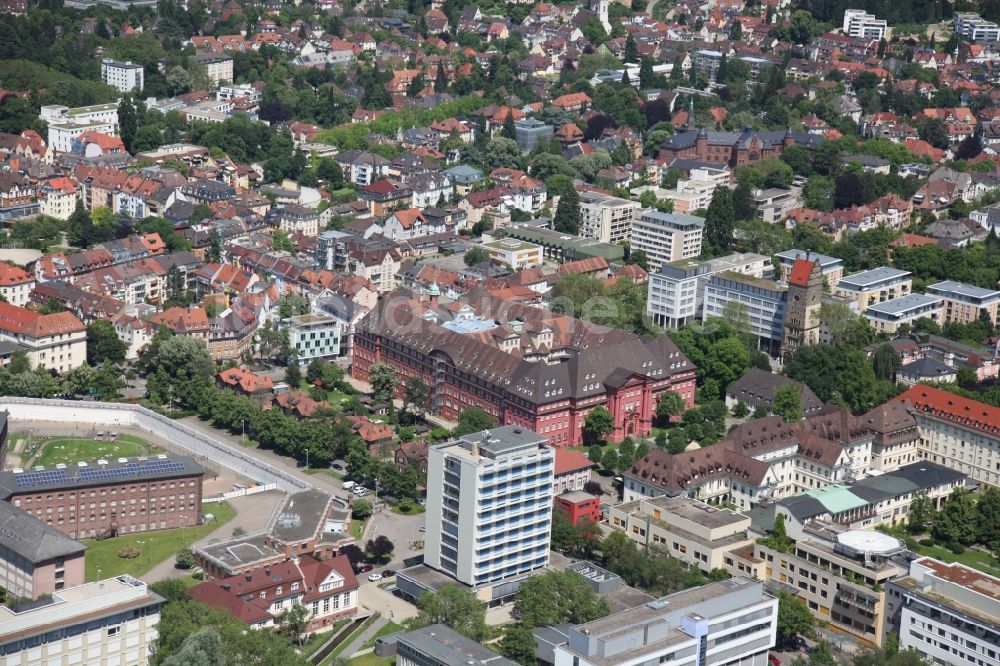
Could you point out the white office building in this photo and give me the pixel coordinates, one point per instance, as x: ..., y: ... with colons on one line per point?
x: 887, y: 317
x: 859, y: 23
x: 974, y: 28
x: 489, y: 505
x: 125, y: 76
x: 730, y: 622
x: 666, y: 237
x: 109, y: 621
x: 66, y: 124
x: 765, y: 302
x: 314, y: 336
x: 948, y: 613
x: 605, y: 218
x: 675, y: 295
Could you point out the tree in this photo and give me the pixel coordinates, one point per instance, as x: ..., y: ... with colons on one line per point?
x: 920, y: 513
x: 440, y: 79
x: 593, y: 488
x: 794, y: 619
x: 598, y: 424
x: 214, y: 254
x: 611, y: 460
x: 508, y: 130
x: 380, y: 548
x: 744, y: 206
x: 128, y: 124
x: 293, y: 622
x: 354, y: 554
x: 293, y: 374
x: 202, y: 648
x: 518, y: 644
x: 383, y: 381
x: 456, y: 607
x: 416, y: 396
x: 475, y: 256
x: 361, y: 509
x: 314, y: 371
x: 970, y: 147
x: 631, y: 54
x: 103, y: 344
x: 669, y: 404
x: 626, y: 453
x: 567, y: 218
x: 727, y: 360
x: 957, y: 521
x: 558, y: 597
x: 885, y: 362
x: 848, y: 190
x: 185, y: 559
x: 720, y: 221
x: 778, y: 539
x: 473, y: 419
x: 988, y: 510
x: 788, y: 402
x: 281, y: 242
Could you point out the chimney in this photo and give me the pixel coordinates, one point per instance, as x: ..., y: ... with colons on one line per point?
x: 249, y: 576
x: 267, y: 571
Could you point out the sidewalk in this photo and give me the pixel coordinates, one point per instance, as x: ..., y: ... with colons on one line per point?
x: 368, y: 633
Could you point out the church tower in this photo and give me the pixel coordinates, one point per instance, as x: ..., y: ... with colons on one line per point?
x: 805, y: 293
x: 601, y: 8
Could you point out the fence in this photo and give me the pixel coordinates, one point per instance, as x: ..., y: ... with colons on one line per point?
x: 180, y: 438
x: 263, y: 488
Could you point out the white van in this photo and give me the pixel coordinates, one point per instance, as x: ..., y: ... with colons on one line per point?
x: 349, y: 484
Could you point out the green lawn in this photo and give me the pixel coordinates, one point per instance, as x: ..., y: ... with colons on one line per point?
x: 155, y: 547
x: 70, y: 450
x: 357, y: 528
x: 976, y: 559
x: 332, y: 657
x: 336, y: 398
x: 390, y: 628
x: 318, y: 639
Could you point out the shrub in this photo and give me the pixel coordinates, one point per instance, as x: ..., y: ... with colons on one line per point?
x: 930, y: 543
x: 129, y: 553
x: 956, y: 548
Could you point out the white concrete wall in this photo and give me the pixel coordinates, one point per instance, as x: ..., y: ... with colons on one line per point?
x: 109, y: 415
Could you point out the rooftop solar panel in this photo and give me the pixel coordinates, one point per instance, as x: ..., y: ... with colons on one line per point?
x: 100, y: 472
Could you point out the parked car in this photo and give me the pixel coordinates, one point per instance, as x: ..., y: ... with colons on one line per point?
x: 388, y: 573
x: 423, y: 528
x: 365, y: 568
x: 374, y: 577
x: 774, y: 661
x: 349, y: 485
x: 337, y: 468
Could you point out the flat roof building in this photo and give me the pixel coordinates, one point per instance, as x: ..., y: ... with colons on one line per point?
x: 966, y: 303
x: 948, y: 612
x: 666, y: 237
x: 566, y: 247
x: 440, y: 645
x: 732, y: 621
x: 888, y: 316
x: 125, y: 76
x: 110, y: 621
x: 875, y: 286
x: 606, y: 218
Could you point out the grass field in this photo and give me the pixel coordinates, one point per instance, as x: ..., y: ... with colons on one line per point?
x: 155, y: 547
x: 71, y: 450
x: 332, y: 657
x: 357, y: 528
x: 369, y: 660
x: 976, y: 559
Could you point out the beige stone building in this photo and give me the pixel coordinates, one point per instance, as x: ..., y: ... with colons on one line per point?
x: 55, y: 342
x: 965, y: 303
x: 693, y: 532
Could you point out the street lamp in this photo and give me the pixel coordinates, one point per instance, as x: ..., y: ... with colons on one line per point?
x: 307, y: 458
x: 243, y: 432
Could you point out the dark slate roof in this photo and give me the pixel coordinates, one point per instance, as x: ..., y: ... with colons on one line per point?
x: 758, y: 386
x: 804, y: 507
x: 74, y: 476
x: 926, y: 368
x: 688, y: 138
x: 32, y: 539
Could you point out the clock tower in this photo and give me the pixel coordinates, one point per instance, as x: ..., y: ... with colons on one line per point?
x: 805, y: 293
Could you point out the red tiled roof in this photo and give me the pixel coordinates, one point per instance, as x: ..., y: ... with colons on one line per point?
x: 800, y: 272
x: 11, y: 275
x: 568, y: 461
x: 947, y: 406
x: 34, y: 325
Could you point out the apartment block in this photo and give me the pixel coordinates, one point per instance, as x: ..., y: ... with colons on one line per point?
x: 125, y: 76
x: 674, y: 294
x: 974, y: 28
x: 66, y: 124
x: 666, y: 237
x: 875, y: 286
x: 112, y: 621
x: 605, y: 218
x: 888, y: 316
x: 839, y: 574
x: 695, y: 533
x: 514, y: 253
x: 489, y: 504
x: 16, y: 284
x: 219, y: 68
x: 765, y: 300
x: 859, y: 23
x: 947, y: 612
x: 832, y: 267
x: 966, y: 303
x: 54, y: 342
x: 774, y: 203
x: 36, y: 559
x: 729, y: 622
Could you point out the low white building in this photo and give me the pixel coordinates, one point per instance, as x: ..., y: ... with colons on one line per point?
x: 859, y: 23
x: 888, y: 316
x: 66, y: 124
x: 514, y: 253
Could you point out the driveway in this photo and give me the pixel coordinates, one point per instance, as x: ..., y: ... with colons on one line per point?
x: 403, y: 531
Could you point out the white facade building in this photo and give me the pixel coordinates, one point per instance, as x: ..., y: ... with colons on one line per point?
x: 125, y: 76
x: 887, y: 317
x: 314, y: 336
x: 859, y: 23
x: 605, y: 218
x: 489, y: 505
x: 66, y: 124
x: 948, y: 613
x: 875, y: 286
x: 110, y: 621
x: 666, y: 237
x: 974, y: 28
x: 729, y: 622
